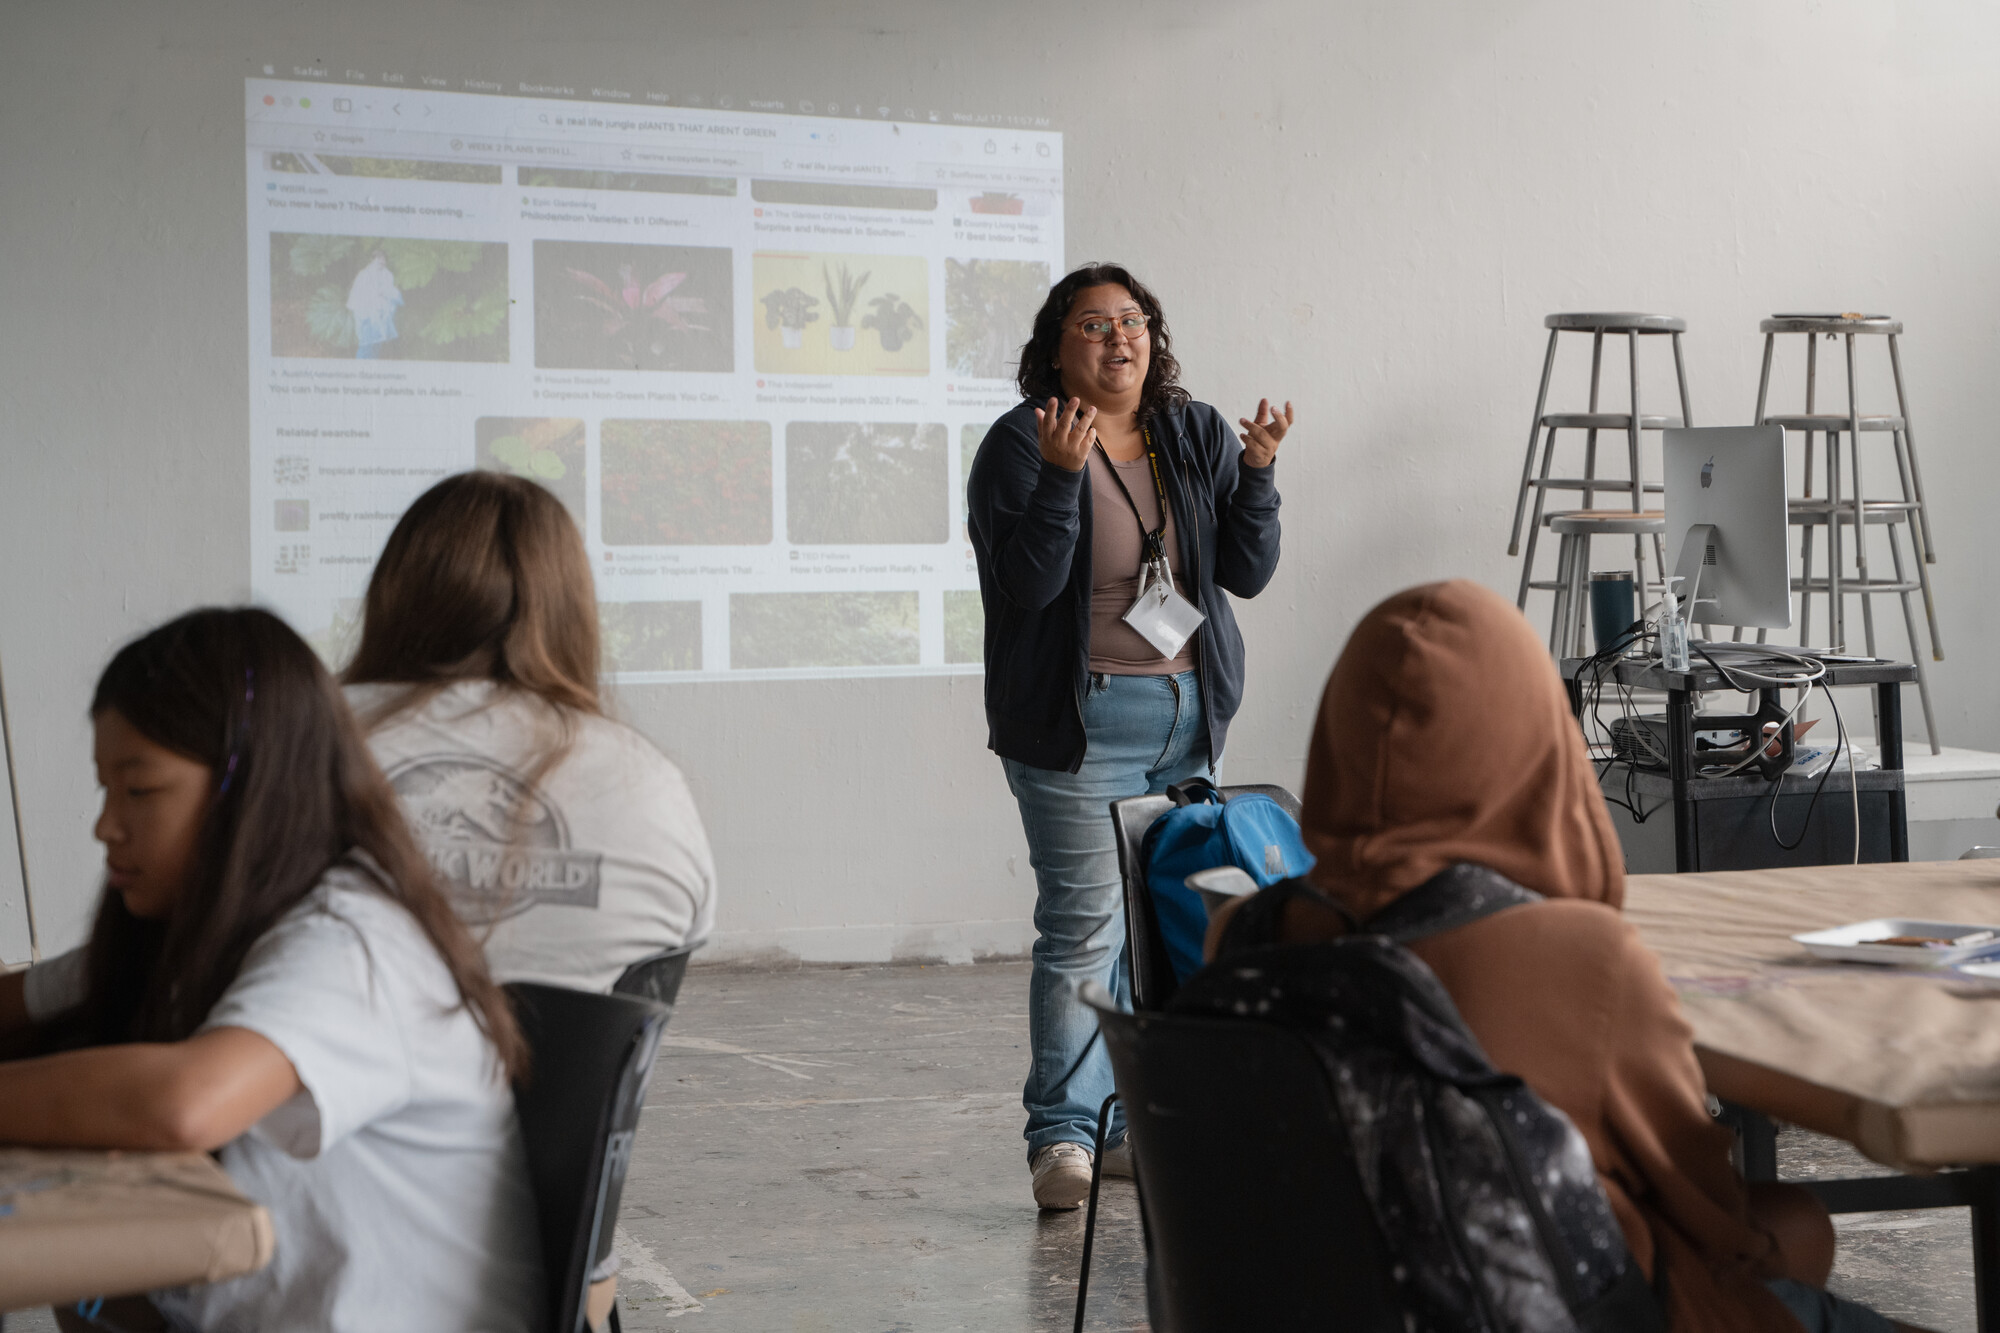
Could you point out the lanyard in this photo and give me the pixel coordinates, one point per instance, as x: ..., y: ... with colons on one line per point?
x: 1154, y: 541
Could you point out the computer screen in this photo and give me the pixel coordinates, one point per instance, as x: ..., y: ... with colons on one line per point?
x: 1733, y: 480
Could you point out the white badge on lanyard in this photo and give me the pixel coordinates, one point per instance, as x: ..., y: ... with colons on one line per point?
x: 1160, y: 615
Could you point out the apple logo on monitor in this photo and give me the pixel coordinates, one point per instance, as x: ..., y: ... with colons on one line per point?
x: 1708, y: 474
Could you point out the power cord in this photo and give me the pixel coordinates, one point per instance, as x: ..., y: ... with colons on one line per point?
x: 1594, y: 670
x: 1804, y: 682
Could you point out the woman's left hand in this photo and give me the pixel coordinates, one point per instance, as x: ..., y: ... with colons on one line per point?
x: 1262, y: 436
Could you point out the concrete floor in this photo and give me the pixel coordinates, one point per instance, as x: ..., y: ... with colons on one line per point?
x: 839, y: 1150
x: 1914, y: 1266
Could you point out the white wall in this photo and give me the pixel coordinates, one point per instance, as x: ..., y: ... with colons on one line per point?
x: 1365, y: 207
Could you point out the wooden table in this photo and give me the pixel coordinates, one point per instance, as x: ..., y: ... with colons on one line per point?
x: 74, y: 1225
x: 1903, y: 1064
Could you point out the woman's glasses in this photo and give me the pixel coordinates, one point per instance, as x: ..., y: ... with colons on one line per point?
x: 1098, y: 328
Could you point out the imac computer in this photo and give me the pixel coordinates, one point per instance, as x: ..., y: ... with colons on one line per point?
x: 1726, y: 497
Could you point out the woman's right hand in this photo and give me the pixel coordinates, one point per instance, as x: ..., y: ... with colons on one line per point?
x: 1065, y: 431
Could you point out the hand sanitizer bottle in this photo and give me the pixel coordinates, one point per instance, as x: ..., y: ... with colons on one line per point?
x: 1673, y: 634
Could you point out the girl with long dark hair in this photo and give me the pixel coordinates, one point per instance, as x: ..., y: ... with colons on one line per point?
x: 1109, y: 513
x: 273, y: 976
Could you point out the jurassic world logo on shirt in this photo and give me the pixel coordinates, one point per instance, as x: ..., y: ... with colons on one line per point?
x: 499, y: 844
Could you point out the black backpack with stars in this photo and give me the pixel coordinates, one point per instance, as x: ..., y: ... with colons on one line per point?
x: 1484, y: 1194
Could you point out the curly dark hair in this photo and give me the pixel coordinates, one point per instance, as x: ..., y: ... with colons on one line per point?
x: 1039, y: 379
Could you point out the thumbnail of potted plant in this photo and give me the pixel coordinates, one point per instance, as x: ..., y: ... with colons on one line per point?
x: 789, y: 311
x: 842, y: 300
x: 893, y: 321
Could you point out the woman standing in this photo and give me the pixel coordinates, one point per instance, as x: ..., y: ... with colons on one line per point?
x: 1109, y: 481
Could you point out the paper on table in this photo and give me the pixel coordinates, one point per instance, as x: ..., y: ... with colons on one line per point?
x: 76, y: 1224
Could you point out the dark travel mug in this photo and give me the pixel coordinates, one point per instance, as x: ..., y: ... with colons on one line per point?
x: 1613, y: 608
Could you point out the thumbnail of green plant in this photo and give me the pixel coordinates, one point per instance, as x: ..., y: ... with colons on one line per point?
x: 990, y: 307
x: 822, y: 629
x: 388, y: 298
x: 650, y: 636
x: 548, y: 450
x: 604, y: 306
x: 970, y: 437
x: 866, y: 483
x: 686, y: 483
x: 964, y: 626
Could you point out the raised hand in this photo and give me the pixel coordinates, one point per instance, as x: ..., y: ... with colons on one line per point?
x: 1260, y: 437
x: 1066, y: 434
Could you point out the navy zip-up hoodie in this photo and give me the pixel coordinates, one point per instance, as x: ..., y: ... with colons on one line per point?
x: 1030, y: 523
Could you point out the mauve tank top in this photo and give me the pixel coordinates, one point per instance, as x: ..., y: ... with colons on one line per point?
x: 1117, y: 543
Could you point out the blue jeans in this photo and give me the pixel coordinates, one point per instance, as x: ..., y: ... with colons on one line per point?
x: 1142, y: 733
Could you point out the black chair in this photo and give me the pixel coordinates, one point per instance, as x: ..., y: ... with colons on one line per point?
x: 1153, y: 981
x: 1253, y: 1211
x: 579, y: 1106
x: 657, y: 976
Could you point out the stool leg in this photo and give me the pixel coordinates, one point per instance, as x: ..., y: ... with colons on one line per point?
x: 1659, y: 563
x: 1590, y: 438
x: 1681, y: 377
x: 1559, y: 613
x: 1836, y: 609
x: 1860, y: 492
x: 1632, y: 426
x: 1923, y: 565
x: 1579, y: 599
x: 1763, y: 380
x: 1910, y: 628
x: 1632, y: 460
x: 1535, y: 523
x: 1910, y: 442
x: 1534, y: 434
x: 1806, y: 553
x: 1833, y: 629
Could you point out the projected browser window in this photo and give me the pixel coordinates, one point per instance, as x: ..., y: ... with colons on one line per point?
x: 752, y: 353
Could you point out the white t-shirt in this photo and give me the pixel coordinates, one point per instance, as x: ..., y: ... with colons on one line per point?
x: 569, y: 875
x: 396, y: 1179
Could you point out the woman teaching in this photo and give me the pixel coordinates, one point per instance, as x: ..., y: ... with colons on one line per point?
x: 1109, y: 513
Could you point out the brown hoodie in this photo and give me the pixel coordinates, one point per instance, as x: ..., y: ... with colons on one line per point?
x: 1444, y: 736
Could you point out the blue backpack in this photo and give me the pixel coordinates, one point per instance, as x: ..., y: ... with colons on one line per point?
x: 1204, y: 830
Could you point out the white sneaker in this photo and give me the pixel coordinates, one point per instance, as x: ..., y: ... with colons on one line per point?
x: 1062, y: 1175
x: 1118, y: 1159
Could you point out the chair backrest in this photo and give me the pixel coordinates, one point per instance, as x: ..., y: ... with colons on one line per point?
x: 1255, y: 1216
x: 592, y: 1059
x: 657, y: 976
x: 1153, y: 982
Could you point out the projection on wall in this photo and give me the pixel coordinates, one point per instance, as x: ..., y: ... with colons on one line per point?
x: 751, y: 351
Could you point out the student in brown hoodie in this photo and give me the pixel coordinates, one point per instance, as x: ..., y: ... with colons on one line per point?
x: 1445, y: 736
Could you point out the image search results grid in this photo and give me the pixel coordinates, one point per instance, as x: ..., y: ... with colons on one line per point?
x: 752, y: 354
